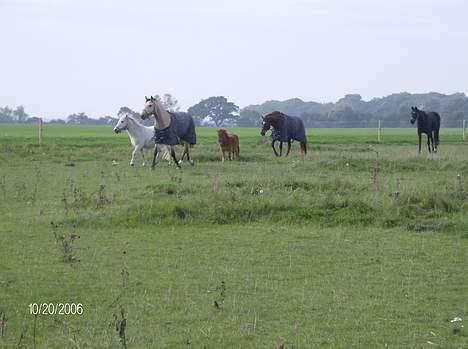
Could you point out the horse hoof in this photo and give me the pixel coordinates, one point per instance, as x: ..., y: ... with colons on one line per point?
x: 192, y: 162
x: 180, y: 162
x: 132, y: 164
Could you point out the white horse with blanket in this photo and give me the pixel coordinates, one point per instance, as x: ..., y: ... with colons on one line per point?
x: 141, y: 137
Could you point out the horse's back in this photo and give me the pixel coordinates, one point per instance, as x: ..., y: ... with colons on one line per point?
x: 294, y: 127
x: 234, y: 139
x: 184, y: 126
x: 434, y: 119
x: 144, y: 138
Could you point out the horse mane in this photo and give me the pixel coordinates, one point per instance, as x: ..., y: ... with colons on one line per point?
x: 419, y: 110
x: 276, y: 118
x: 222, y: 133
x: 132, y: 119
x: 274, y: 114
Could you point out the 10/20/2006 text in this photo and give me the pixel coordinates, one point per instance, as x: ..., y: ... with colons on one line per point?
x: 56, y: 308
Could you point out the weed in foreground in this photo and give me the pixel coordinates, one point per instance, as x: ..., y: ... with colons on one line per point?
x: 65, y: 245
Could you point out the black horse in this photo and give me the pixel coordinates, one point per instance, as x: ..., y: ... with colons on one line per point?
x: 428, y: 123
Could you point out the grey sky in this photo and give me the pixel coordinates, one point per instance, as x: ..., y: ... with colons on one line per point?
x: 61, y: 56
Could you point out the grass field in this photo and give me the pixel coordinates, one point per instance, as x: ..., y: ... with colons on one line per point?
x: 363, y: 245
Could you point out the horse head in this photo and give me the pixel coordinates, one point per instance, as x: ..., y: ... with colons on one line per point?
x: 149, y: 108
x: 274, y: 119
x: 416, y: 114
x: 222, y: 135
x: 122, y: 124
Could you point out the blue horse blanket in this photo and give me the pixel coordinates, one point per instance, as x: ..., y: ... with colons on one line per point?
x: 182, y: 128
x: 293, y: 128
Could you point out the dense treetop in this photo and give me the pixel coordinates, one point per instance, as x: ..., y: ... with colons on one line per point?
x: 349, y: 111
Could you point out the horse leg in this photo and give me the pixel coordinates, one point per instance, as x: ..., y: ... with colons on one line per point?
x: 143, y: 156
x: 419, y: 139
x: 187, y: 150
x: 222, y: 153
x: 156, y: 155
x: 303, y: 150
x: 273, y: 146
x: 289, y: 147
x: 173, y: 155
x: 281, y: 148
x: 429, y: 142
x: 132, y: 160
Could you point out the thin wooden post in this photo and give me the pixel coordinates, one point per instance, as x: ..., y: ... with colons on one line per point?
x: 464, y: 130
x: 40, y: 131
x: 379, y: 133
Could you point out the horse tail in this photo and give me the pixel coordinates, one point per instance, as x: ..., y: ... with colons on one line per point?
x: 436, y: 136
x: 436, y: 131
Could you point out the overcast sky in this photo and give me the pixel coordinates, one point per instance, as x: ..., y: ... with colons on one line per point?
x: 61, y: 56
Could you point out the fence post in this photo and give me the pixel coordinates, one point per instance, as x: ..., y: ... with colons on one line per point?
x: 40, y: 131
x: 379, y: 133
x: 464, y: 130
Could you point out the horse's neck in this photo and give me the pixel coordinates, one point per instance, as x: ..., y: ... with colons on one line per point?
x: 134, y: 127
x: 278, y: 123
x: 161, y: 117
x: 224, y: 137
x: 422, y: 120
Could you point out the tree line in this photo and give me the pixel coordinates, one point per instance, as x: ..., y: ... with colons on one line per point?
x: 349, y: 111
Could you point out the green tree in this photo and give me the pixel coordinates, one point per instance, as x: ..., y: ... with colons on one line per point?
x: 78, y: 119
x: 6, y: 115
x: 168, y: 102
x: 249, y: 118
x: 127, y: 110
x: 20, y: 115
x: 218, y: 109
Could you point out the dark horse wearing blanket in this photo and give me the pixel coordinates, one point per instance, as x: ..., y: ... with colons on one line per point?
x: 285, y: 128
x: 428, y: 123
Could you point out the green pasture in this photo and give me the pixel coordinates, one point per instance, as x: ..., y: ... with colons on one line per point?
x: 362, y: 245
x: 318, y: 136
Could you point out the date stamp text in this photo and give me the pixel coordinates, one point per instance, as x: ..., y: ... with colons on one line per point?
x: 56, y: 308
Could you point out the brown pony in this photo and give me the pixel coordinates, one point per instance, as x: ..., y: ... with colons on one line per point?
x: 228, y: 143
x: 285, y: 128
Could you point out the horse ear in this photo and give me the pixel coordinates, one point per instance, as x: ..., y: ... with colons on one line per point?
x: 147, y: 99
x: 412, y: 108
x: 152, y: 98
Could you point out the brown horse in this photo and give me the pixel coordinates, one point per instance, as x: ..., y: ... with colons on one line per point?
x: 285, y: 128
x: 228, y: 143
